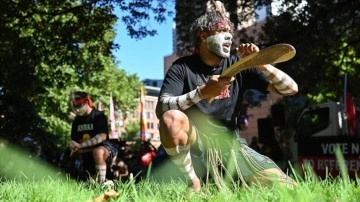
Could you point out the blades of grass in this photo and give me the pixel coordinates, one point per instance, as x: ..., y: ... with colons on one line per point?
x: 309, y: 172
x: 16, y: 163
x: 341, y: 163
x: 295, y: 173
x: 148, y: 173
x: 134, y: 190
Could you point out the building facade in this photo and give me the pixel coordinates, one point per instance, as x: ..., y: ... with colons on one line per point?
x: 151, y: 120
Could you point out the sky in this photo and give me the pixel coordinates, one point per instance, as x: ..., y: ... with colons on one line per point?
x: 144, y: 57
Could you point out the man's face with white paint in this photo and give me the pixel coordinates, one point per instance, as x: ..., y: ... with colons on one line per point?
x: 219, y: 42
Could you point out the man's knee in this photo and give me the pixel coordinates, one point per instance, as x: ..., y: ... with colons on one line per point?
x: 172, y: 117
x: 174, y: 127
x: 100, y: 152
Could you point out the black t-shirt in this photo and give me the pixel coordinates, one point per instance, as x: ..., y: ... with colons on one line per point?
x: 86, y: 127
x: 188, y: 72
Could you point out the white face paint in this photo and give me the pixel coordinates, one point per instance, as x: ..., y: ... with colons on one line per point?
x: 81, y: 111
x: 220, y: 44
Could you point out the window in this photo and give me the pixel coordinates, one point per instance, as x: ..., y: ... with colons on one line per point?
x: 150, y: 125
x: 313, y: 121
x: 149, y: 115
x: 149, y: 104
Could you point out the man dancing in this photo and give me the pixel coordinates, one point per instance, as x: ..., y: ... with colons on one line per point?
x: 193, y: 129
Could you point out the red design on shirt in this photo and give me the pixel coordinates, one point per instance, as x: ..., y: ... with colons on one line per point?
x: 224, y: 94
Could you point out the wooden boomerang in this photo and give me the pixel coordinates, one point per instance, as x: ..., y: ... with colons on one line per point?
x: 270, y: 55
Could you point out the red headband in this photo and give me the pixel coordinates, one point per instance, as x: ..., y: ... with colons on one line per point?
x: 79, y: 102
x: 218, y: 25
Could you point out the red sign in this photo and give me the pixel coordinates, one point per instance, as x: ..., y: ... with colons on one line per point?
x: 323, y: 165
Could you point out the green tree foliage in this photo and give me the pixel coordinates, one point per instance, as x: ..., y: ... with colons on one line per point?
x: 324, y: 33
x: 186, y: 13
x: 326, y: 36
x: 132, y: 131
x: 49, y: 48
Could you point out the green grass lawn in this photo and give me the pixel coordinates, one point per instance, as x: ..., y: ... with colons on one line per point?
x: 27, y: 180
x: 49, y: 189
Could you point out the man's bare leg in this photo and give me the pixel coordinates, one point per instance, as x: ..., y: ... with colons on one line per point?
x: 100, y: 154
x: 174, y: 128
